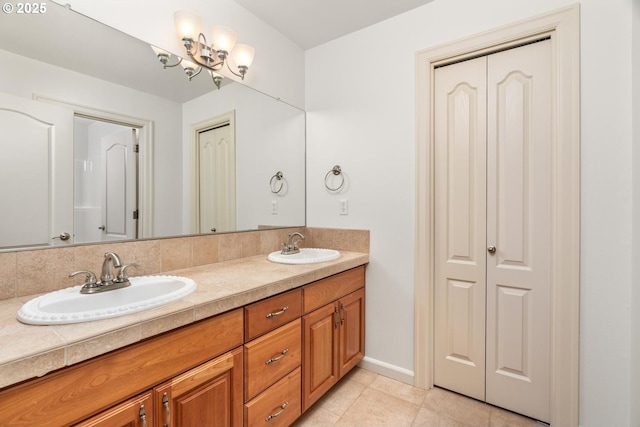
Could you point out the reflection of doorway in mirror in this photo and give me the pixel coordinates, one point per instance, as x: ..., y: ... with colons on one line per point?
x: 216, y: 176
x: 105, y: 190
x: 35, y: 166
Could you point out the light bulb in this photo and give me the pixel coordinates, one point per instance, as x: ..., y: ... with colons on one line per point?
x: 223, y: 38
x: 243, y: 55
x: 187, y: 24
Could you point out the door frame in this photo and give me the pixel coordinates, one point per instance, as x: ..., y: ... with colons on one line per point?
x: 562, y: 26
x: 145, y: 155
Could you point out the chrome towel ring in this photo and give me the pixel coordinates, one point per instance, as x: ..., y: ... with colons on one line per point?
x: 336, y: 171
x: 278, y: 177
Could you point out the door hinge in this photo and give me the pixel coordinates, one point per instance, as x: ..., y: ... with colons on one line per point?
x: 136, y: 148
x: 135, y: 214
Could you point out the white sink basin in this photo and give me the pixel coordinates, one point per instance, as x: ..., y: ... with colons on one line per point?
x: 305, y: 256
x: 70, y: 306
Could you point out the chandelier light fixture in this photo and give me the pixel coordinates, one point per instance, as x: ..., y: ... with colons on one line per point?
x: 211, y: 57
x: 204, y: 56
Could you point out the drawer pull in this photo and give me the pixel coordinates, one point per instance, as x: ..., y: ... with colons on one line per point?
x: 282, y: 408
x: 275, y: 359
x: 277, y: 313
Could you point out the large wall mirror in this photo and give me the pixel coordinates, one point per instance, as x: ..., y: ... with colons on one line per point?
x: 101, y: 143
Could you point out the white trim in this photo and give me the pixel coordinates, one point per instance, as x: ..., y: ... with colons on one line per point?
x: 388, y: 370
x: 145, y: 164
x: 563, y: 27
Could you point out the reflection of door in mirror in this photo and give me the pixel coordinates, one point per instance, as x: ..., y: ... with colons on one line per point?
x: 216, y: 166
x: 105, y: 196
x: 36, y: 144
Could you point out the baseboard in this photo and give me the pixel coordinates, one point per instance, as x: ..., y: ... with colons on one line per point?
x: 387, y: 370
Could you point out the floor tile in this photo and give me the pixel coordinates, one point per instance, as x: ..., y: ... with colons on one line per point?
x: 365, y: 399
x: 463, y: 409
x: 502, y: 418
x: 317, y: 416
x: 341, y: 397
x: 375, y: 408
x: 399, y: 389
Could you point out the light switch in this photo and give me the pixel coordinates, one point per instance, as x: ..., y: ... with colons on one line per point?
x: 344, y: 207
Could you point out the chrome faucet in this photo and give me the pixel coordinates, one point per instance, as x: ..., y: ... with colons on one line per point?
x: 111, y: 260
x: 291, y: 247
x: 108, y: 279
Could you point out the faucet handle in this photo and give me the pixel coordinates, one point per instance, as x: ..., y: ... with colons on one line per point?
x: 122, y: 273
x: 89, y: 277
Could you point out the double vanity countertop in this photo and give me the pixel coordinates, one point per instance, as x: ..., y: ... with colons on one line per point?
x: 28, y: 351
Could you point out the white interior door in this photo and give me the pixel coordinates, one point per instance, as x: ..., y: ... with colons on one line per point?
x: 36, y: 171
x: 518, y: 226
x: 217, y: 180
x: 119, y: 185
x: 460, y: 236
x: 493, y: 248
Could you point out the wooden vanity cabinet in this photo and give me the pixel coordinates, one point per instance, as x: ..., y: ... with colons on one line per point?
x: 208, y: 395
x: 272, y: 360
x: 333, y: 334
x: 263, y: 364
x: 135, y: 412
x: 73, y: 394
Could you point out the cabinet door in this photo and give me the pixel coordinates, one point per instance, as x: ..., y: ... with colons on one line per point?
x: 208, y: 395
x: 351, y: 349
x: 136, y: 412
x: 320, y: 366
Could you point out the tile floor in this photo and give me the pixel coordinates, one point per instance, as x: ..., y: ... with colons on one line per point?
x: 366, y: 399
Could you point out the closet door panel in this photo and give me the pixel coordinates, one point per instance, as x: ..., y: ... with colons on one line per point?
x: 519, y: 108
x: 460, y: 197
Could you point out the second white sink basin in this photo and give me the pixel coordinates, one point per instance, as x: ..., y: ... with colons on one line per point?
x: 70, y: 306
x: 305, y: 256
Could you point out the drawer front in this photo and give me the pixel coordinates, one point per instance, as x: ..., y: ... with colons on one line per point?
x: 270, y: 357
x: 277, y: 406
x: 265, y: 316
x: 330, y: 289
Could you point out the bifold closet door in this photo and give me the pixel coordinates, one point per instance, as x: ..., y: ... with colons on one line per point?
x: 460, y: 231
x: 518, y: 226
x: 492, y: 220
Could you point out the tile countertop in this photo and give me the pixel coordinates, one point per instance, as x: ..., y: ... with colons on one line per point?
x: 28, y: 351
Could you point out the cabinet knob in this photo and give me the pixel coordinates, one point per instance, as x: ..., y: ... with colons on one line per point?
x: 491, y: 249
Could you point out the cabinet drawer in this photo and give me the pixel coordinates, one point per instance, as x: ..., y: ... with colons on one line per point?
x: 330, y: 289
x: 264, y: 316
x: 277, y: 406
x: 270, y: 357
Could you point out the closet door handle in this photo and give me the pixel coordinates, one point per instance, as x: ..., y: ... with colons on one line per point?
x: 491, y: 249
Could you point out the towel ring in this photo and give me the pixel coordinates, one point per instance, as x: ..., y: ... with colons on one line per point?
x: 274, y: 180
x: 336, y: 171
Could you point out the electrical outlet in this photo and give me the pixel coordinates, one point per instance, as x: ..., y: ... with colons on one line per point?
x: 344, y: 207
x: 274, y: 207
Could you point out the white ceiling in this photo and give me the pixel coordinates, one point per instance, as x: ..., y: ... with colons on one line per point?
x: 310, y: 23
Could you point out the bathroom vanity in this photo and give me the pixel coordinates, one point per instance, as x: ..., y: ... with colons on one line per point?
x: 264, y: 361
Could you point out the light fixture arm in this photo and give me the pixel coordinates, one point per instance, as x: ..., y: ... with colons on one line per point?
x: 208, y: 57
x: 164, y: 59
x: 204, y: 58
